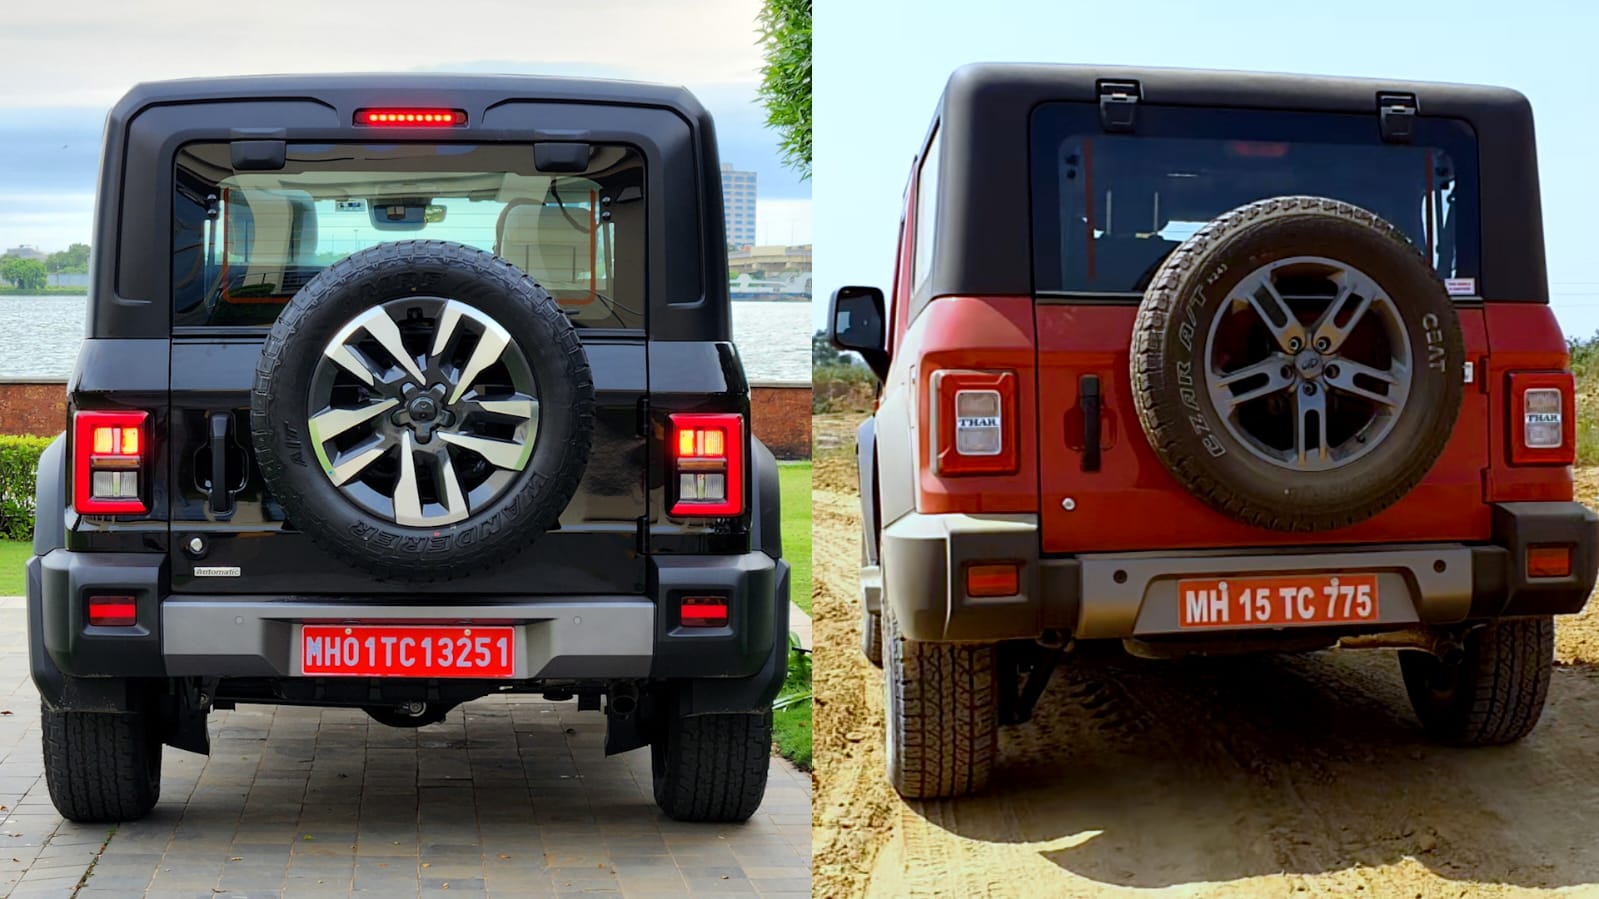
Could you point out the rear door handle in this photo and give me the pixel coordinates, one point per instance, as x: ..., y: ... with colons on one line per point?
x: 221, y: 498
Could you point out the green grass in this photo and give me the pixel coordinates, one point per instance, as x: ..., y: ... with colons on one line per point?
x: 13, y: 556
x: 8, y: 290
x: 794, y: 480
x: 791, y: 726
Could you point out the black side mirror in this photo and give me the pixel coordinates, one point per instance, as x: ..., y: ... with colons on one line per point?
x: 856, y: 323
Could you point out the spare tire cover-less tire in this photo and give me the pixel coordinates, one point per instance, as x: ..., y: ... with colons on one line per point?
x: 1297, y: 364
x: 422, y: 409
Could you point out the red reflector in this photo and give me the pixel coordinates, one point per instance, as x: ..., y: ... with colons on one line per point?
x: 112, y: 611
x: 410, y: 118
x: 1549, y: 561
x: 993, y: 580
x: 703, y: 611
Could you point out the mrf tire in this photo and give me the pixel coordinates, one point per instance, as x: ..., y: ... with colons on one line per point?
x: 489, y: 536
x: 712, y: 767
x: 1167, y: 365
x: 941, y: 714
x: 99, y: 767
x: 1495, y: 694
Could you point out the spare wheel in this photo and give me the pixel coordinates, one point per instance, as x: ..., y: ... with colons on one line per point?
x: 422, y: 409
x: 1297, y: 364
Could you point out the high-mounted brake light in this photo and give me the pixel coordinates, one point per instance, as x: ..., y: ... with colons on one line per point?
x: 1543, y: 421
x: 707, y: 463
x: 108, y: 460
x: 973, y: 422
x: 411, y: 118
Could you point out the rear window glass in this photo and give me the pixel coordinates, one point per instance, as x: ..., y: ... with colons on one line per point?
x: 1109, y: 208
x: 245, y: 242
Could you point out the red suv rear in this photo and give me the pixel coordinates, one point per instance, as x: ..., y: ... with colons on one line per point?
x: 1209, y: 363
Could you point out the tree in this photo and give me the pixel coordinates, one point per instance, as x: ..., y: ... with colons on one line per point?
x: 786, y: 77
x: 25, y: 274
x: 73, y: 260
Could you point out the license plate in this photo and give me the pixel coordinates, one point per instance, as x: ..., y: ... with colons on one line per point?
x: 1281, y: 600
x: 406, y: 651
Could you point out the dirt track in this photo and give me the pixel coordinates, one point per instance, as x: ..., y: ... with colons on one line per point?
x: 1256, y: 777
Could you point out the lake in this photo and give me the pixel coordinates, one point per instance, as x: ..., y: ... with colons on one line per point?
x: 39, y: 338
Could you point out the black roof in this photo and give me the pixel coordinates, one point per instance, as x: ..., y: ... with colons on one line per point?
x: 982, y: 245
x: 409, y: 89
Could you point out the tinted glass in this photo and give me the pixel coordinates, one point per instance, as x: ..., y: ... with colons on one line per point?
x: 245, y: 242
x: 1109, y: 208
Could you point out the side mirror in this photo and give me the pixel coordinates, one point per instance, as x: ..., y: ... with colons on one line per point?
x: 856, y: 323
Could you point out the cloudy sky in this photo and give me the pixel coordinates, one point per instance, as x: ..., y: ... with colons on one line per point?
x: 64, y: 62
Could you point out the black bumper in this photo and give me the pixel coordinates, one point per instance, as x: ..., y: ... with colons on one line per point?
x: 566, y: 637
x: 1131, y: 594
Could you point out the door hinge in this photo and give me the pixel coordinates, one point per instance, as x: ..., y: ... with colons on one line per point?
x: 1397, y: 114
x: 1118, y: 104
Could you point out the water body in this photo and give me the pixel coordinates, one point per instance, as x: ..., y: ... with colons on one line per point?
x: 39, y: 337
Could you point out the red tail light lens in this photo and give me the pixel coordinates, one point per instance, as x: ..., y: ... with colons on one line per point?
x: 973, y: 419
x: 707, y: 464
x: 1543, y: 420
x: 410, y: 118
x: 113, y: 611
x: 108, y: 463
x: 703, y: 611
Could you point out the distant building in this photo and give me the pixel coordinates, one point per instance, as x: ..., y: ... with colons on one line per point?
x: 770, y: 260
x: 738, y: 203
x: 27, y: 252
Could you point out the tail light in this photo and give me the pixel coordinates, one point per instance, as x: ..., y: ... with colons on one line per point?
x: 108, y: 462
x: 1543, y: 420
x: 707, y: 463
x: 973, y: 422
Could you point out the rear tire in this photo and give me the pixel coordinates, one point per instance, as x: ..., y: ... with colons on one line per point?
x: 872, y: 636
x: 942, y: 714
x: 712, y: 767
x: 101, y: 767
x: 1494, y: 694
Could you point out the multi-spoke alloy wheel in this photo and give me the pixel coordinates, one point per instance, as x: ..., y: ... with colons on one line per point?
x: 1308, y: 363
x: 1297, y: 364
x: 422, y: 410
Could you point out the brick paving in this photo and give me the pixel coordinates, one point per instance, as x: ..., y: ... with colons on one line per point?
x: 510, y: 796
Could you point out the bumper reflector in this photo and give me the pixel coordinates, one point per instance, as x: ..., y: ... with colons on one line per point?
x: 703, y: 611
x: 999, y: 579
x: 1549, y: 561
x: 113, y: 611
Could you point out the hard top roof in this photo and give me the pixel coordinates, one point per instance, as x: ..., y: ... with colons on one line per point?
x: 413, y: 89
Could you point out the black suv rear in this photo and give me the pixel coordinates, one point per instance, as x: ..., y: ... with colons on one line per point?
x: 399, y: 391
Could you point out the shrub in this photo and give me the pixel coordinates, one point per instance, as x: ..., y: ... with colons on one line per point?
x: 19, y: 460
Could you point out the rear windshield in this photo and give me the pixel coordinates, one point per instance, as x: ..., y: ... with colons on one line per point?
x: 245, y: 242
x: 1109, y: 208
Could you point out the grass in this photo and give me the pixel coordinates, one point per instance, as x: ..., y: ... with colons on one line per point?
x: 13, y: 556
x: 794, y: 480
x: 791, y: 723
x: 8, y: 290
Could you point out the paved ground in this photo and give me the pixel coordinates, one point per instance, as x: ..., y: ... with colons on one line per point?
x: 508, y: 797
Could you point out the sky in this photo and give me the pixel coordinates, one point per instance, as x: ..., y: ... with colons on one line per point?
x: 881, y: 66
x: 63, y: 63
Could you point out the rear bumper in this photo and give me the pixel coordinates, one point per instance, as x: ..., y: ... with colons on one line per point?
x: 1118, y: 595
x: 557, y: 637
